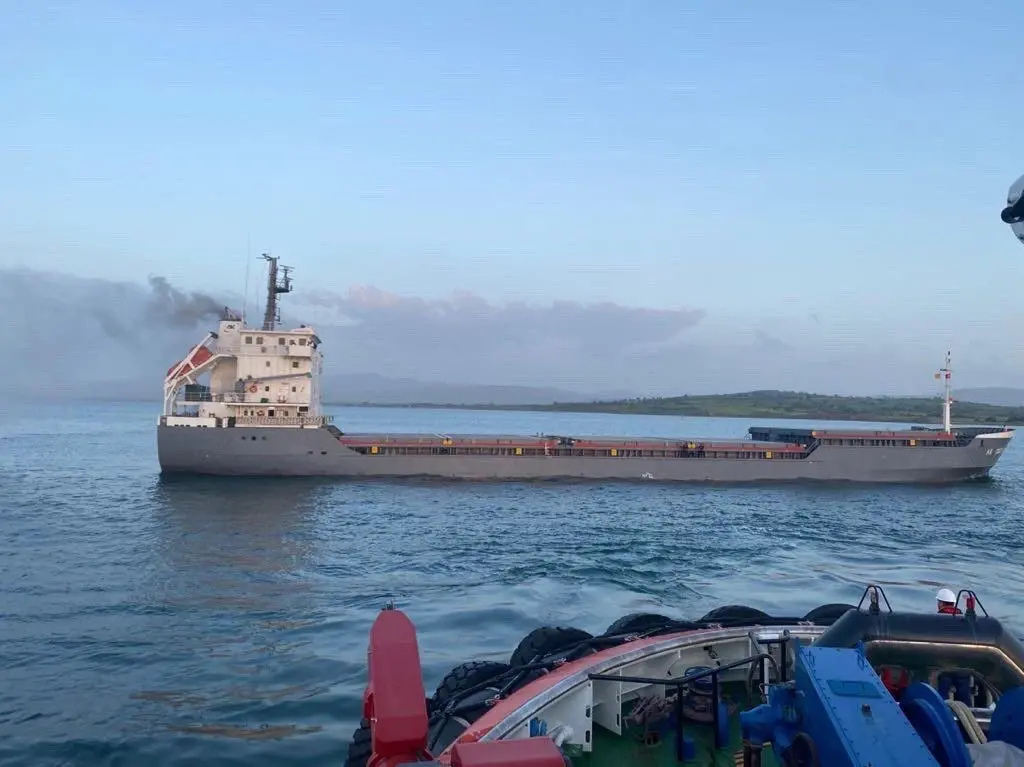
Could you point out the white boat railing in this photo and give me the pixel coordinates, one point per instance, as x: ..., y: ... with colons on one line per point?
x: 302, y: 420
x: 255, y: 350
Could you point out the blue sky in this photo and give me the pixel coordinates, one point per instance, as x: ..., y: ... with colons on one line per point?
x: 758, y: 162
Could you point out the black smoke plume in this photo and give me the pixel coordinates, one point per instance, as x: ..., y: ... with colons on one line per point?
x: 179, y: 308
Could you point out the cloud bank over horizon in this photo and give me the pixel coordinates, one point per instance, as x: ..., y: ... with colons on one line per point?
x: 77, y: 336
x: 466, y: 338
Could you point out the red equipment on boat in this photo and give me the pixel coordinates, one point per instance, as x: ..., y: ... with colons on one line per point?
x: 197, y: 355
x: 394, y: 703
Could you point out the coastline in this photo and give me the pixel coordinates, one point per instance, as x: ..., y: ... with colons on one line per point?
x: 774, y: 405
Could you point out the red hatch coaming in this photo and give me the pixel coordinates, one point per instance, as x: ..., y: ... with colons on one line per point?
x: 485, y: 441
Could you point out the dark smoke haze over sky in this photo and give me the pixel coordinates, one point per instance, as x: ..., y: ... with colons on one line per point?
x: 179, y: 308
x: 90, y: 336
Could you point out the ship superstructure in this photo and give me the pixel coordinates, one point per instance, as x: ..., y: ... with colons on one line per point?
x: 260, y: 414
x: 266, y: 377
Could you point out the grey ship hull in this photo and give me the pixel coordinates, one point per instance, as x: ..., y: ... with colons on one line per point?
x: 312, y: 452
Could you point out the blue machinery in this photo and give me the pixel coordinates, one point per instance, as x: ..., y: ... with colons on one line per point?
x: 838, y: 713
x: 835, y: 711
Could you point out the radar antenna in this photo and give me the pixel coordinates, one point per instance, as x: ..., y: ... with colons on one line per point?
x: 273, y: 313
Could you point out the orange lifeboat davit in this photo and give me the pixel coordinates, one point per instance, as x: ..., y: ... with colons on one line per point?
x: 198, y: 356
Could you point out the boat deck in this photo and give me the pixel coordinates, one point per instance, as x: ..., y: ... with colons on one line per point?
x: 540, y: 439
x: 552, y: 445
x: 638, y: 746
x: 767, y: 443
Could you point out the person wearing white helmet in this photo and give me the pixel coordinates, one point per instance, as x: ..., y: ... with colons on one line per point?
x: 947, y: 602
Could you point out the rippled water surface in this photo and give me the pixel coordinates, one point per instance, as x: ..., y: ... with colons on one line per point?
x: 224, y: 621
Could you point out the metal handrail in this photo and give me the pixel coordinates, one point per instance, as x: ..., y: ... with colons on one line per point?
x: 684, y: 681
x: 873, y: 592
x: 971, y: 598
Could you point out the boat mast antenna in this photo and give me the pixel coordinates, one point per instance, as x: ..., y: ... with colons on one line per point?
x: 245, y: 297
x: 947, y: 400
x: 272, y: 314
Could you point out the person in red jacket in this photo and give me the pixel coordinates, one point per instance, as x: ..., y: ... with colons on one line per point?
x: 947, y: 602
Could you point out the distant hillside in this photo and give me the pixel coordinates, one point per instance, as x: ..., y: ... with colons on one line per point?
x: 353, y: 389
x: 374, y: 389
x: 992, y: 395
x: 783, y: 404
x: 986, y: 405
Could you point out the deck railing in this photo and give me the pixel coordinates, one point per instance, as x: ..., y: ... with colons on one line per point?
x: 275, y: 349
x: 302, y: 420
x: 680, y: 683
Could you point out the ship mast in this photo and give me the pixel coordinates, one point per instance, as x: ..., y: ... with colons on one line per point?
x: 947, y: 399
x: 272, y: 314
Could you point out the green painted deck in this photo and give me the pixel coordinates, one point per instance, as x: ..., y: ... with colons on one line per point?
x: 629, y: 749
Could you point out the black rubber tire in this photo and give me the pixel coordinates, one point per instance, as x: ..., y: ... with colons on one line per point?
x: 735, y: 614
x: 546, y: 640
x: 361, y: 748
x: 803, y: 752
x: 635, y: 623
x: 466, y: 676
x: 828, y: 614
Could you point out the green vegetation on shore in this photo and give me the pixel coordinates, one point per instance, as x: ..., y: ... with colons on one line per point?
x: 783, y: 404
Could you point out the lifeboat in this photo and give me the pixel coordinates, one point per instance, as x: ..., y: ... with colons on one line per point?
x: 843, y: 685
x: 198, y: 355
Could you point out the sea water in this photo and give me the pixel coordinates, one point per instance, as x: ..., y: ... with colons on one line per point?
x: 224, y: 621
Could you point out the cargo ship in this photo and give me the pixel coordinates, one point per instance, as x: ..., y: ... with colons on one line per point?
x: 259, y: 413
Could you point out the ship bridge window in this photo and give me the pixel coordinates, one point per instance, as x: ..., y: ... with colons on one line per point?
x: 295, y: 363
x: 259, y: 339
x: 268, y: 363
x: 248, y: 339
x: 281, y: 341
x: 291, y: 342
x: 302, y: 342
x: 293, y: 388
x: 266, y: 388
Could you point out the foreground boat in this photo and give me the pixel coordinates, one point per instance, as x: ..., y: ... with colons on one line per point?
x: 843, y: 686
x: 260, y: 414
